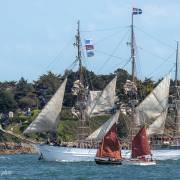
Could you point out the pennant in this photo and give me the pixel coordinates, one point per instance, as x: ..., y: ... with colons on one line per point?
x: 136, y: 11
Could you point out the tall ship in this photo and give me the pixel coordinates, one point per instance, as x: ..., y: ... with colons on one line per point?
x: 155, y: 109
x: 88, y: 104
x: 152, y: 112
x: 148, y: 111
x: 171, y: 139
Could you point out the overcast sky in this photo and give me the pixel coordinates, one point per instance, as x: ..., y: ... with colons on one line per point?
x: 37, y: 36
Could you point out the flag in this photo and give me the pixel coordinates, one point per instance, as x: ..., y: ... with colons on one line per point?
x: 89, y: 47
x: 136, y: 11
x: 90, y: 53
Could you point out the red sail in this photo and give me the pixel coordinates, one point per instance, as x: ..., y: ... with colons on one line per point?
x: 140, y: 144
x: 110, y: 146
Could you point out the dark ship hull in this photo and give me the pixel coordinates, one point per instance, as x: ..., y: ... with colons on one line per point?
x: 106, y: 161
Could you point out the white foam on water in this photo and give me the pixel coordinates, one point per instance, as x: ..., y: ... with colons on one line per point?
x: 5, y: 157
x: 5, y: 173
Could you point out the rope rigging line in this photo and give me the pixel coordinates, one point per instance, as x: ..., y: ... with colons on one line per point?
x: 72, y: 65
x: 109, y: 55
x: 126, y: 63
x: 105, y: 29
x: 138, y: 64
x: 58, y: 55
x: 101, y: 52
x: 153, y: 54
x: 161, y: 64
x: 114, y: 50
x: 106, y: 37
x: 153, y: 37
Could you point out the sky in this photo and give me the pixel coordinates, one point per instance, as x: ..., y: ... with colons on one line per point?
x: 37, y: 36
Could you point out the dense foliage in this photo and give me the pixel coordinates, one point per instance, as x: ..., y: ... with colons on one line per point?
x: 22, y: 95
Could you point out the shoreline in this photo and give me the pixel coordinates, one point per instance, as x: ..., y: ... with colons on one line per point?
x: 16, y: 148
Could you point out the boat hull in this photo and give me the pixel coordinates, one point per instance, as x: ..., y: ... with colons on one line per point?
x: 65, y: 154
x: 69, y: 154
x: 138, y: 162
x: 106, y: 161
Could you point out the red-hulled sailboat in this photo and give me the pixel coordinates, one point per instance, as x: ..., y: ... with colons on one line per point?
x: 141, y: 151
x: 109, y: 149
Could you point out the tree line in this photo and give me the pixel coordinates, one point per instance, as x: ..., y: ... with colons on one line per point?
x: 22, y: 94
x: 19, y: 96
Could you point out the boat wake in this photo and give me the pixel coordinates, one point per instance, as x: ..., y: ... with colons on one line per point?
x: 5, y: 158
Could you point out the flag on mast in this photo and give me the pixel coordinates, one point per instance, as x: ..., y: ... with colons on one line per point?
x: 89, y: 47
x: 136, y: 11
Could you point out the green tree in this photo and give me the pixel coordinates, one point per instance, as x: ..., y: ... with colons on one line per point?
x: 25, y: 94
x: 7, y: 101
x: 46, y: 86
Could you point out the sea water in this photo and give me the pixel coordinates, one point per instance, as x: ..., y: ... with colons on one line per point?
x: 29, y: 167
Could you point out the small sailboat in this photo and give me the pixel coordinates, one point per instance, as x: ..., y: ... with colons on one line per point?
x: 141, y: 151
x: 109, y: 149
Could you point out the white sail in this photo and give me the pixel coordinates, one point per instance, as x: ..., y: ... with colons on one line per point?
x: 101, y: 102
x: 47, y: 119
x: 153, y: 109
x: 157, y: 127
x: 99, y: 133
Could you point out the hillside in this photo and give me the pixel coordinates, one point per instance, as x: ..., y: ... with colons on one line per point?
x: 26, y: 99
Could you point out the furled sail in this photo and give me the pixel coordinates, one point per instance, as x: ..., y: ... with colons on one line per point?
x: 153, y: 109
x: 102, y: 102
x: 47, y: 119
x: 110, y: 145
x: 99, y: 133
x: 140, y: 144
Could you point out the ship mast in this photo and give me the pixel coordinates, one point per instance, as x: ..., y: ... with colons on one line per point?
x: 132, y: 47
x: 79, y: 57
x: 82, y: 128
x: 176, y: 71
x: 177, y: 98
x: 133, y: 77
x: 134, y: 100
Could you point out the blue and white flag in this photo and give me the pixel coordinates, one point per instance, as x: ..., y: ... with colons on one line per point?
x: 90, y: 53
x: 89, y: 47
x: 136, y: 11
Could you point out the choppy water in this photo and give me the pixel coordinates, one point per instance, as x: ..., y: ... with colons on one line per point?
x: 28, y: 167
